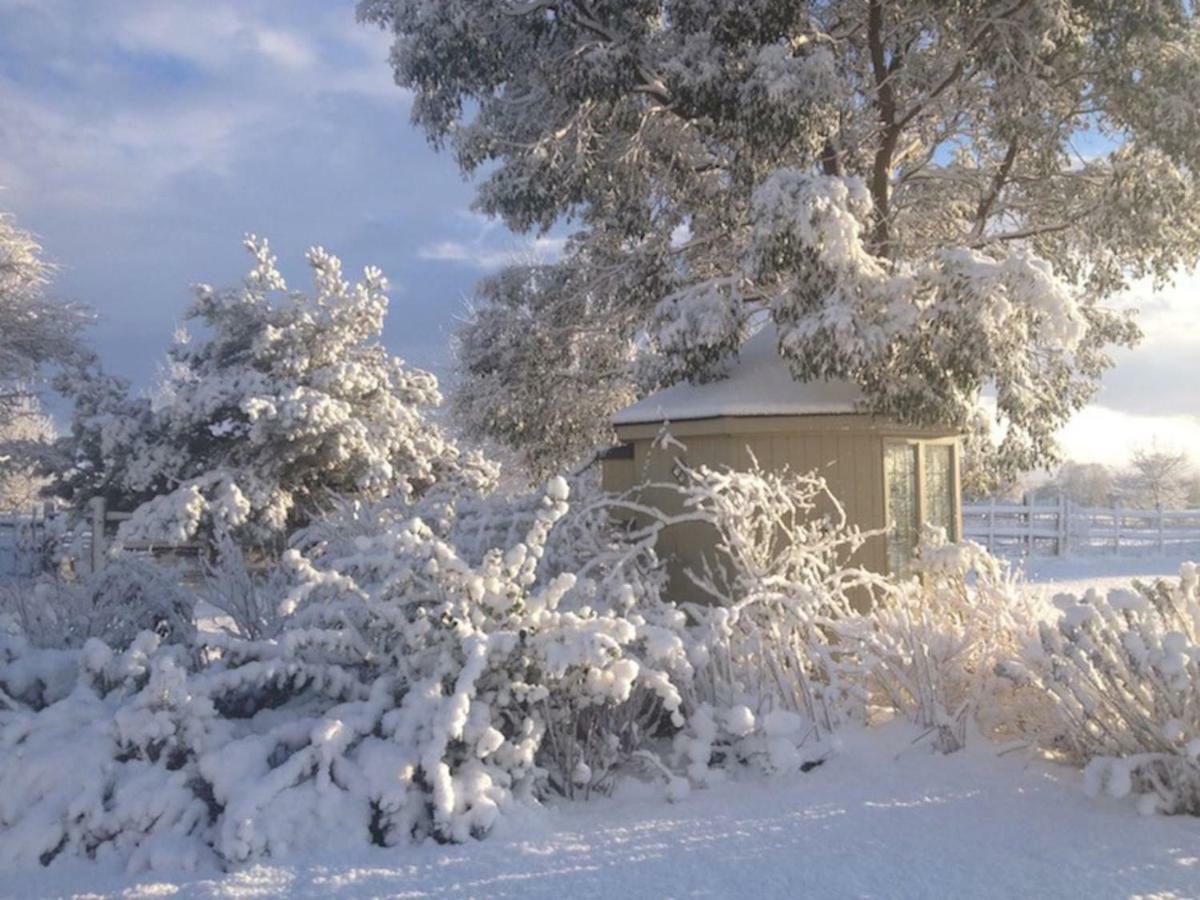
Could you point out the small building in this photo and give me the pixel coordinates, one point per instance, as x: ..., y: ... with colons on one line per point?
x: 884, y: 474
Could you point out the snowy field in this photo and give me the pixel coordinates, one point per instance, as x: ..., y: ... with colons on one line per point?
x: 1077, y: 574
x: 883, y: 817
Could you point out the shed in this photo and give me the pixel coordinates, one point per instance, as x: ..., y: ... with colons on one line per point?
x: 883, y: 473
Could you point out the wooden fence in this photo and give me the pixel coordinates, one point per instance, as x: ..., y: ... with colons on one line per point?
x: 85, y: 539
x: 1062, y: 528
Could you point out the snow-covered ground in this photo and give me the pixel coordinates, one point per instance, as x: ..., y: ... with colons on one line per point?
x: 1076, y: 574
x: 883, y: 817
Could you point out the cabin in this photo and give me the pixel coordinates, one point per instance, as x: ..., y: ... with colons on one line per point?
x: 885, y: 474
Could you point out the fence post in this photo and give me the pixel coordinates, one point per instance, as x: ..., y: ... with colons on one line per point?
x: 991, y: 517
x: 1064, y: 518
x: 1117, y: 521
x: 1159, y: 509
x: 98, y: 520
x: 1029, y: 525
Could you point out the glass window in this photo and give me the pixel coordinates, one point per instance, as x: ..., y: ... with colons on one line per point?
x: 939, y: 487
x: 900, y: 469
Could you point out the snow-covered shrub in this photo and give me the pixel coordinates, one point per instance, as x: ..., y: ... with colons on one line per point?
x: 407, y: 692
x: 417, y: 668
x: 1123, y: 672
x: 768, y: 688
x: 109, y: 769
x: 931, y: 642
x: 116, y: 603
x: 777, y: 584
x: 248, y: 594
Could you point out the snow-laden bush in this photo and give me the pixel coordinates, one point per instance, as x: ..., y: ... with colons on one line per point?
x: 1123, y: 673
x: 110, y: 769
x: 129, y: 595
x: 418, y: 668
x: 406, y: 693
x: 774, y: 588
x: 929, y: 646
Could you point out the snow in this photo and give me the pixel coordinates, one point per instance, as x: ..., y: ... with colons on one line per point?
x: 881, y: 815
x: 758, y: 383
x: 882, y: 818
x: 1076, y: 574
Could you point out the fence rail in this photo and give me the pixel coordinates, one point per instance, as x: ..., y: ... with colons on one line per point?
x: 86, y: 539
x: 1063, y: 528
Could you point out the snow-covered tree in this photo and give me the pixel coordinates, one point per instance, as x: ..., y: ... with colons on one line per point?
x: 24, y: 431
x: 1158, y: 478
x: 524, y: 357
x: 283, y: 402
x: 932, y: 199
x: 35, y: 331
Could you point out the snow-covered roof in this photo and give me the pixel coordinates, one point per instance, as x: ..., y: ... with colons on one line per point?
x: 758, y: 383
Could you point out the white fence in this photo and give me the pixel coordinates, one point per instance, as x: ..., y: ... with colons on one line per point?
x: 1062, y: 528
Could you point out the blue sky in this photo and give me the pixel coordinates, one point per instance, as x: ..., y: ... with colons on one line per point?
x: 140, y: 140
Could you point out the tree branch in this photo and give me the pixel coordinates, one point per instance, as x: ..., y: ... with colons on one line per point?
x: 998, y: 181
x: 885, y: 102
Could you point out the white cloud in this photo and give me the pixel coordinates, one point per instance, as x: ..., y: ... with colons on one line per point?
x: 1109, y: 436
x: 1170, y: 314
x: 487, y: 256
x: 141, y: 94
x: 288, y: 49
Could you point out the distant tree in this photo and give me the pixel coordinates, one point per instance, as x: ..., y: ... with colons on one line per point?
x: 1159, y: 479
x: 25, y: 433
x: 284, y: 402
x: 36, y: 332
x: 901, y: 184
x: 1085, y: 484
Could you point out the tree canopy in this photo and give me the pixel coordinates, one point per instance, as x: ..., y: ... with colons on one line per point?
x: 933, y: 199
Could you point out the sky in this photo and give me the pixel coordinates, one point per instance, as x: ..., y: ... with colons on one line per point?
x: 140, y: 140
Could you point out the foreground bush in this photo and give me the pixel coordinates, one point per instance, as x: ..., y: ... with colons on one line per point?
x: 397, y: 680
x: 1123, y: 673
x: 416, y: 668
x: 931, y: 643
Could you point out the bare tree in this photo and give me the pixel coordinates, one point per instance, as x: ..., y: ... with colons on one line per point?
x: 1159, y: 478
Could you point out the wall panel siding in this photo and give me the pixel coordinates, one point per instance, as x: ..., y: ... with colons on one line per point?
x: 846, y: 450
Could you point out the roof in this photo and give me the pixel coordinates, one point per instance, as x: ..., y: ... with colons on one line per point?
x: 758, y: 383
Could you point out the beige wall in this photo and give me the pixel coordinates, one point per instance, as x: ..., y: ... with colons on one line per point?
x: 846, y: 450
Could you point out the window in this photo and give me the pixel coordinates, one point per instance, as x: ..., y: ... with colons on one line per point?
x: 900, y: 469
x: 939, y: 487
x: 920, y: 487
